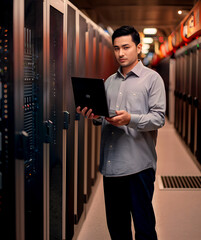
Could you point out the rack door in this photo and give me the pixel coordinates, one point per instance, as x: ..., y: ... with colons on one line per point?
x: 56, y: 118
x: 33, y: 118
x: 7, y: 124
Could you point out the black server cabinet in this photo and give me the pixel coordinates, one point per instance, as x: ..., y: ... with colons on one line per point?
x: 198, y: 155
x: 195, y: 99
x: 182, y: 95
x: 163, y: 70
x: 70, y: 106
x: 97, y: 70
x: 56, y: 117
x: 89, y: 160
x: 186, y: 97
x: 193, y: 95
x: 90, y: 73
x: 176, y: 122
x: 98, y: 55
x: 82, y: 73
x: 33, y: 118
x: 7, y: 157
x: 181, y: 82
x: 189, y: 97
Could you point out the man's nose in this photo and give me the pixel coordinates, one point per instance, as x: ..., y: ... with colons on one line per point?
x: 121, y: 52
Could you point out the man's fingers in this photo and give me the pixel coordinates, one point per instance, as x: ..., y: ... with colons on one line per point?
x: 78, y: 109
x: 113, y: 119
x: 89, y: 113
x: 86, y: 113
x: 122, y: 118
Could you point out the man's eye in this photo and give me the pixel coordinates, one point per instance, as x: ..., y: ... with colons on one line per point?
x: 126, y: 47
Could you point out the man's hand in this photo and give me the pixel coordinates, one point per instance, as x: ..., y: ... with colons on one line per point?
x: 87, y: 113
x: 122, y: 118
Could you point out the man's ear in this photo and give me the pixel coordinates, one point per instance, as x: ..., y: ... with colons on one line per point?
x: 139, y: 48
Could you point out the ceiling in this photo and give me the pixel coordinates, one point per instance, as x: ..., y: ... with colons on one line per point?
x: 161, y: 14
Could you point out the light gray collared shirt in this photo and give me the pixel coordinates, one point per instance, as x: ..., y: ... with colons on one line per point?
x: 130, y: 149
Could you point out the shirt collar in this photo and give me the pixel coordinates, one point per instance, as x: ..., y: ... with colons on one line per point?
x: 136, y: 70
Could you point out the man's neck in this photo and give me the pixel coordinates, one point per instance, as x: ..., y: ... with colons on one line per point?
x: 126, y: 70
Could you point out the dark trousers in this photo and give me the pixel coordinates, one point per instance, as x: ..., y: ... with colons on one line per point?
x: 126, y: 196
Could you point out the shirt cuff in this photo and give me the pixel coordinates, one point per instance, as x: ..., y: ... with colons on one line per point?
x: 97, y: 121
x: 135, y: 118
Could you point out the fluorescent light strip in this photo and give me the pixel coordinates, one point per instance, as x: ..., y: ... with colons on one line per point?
x: 145, y: 46
x: 150, y: 31
x: 148, y: 40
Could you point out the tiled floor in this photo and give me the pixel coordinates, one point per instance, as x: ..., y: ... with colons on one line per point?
x: 178, y: 212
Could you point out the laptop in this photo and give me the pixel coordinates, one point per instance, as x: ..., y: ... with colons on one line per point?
x: 90, y: 92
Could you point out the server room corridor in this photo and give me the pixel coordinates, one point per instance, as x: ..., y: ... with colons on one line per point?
x: 50, y: 184
x: 178, y: 211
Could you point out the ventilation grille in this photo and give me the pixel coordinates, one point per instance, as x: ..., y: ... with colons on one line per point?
x: 180, y: 182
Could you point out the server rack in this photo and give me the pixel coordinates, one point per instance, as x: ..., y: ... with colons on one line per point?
x: 181, y: 90
x: 181, y: 94
x: 7, y: 124
x: 81, y: 72
x: 33, y: 117
x: 184, y: 97
x: 56, y: 117
x: 194, y: 97
x: 176, y: 93
x: 97, y: 129
x: 43, y: 43
x: 163, y: 70
x: 172, y: 89
x: 198, y: 152
x: 189, y: 97
x: 70, y: 107
x: 187, y: 94
x: 89, y: 73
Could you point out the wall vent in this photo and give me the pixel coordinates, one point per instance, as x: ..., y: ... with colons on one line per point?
x: 180, y: 182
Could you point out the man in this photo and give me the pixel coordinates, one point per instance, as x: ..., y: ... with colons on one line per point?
x: 128, y: 156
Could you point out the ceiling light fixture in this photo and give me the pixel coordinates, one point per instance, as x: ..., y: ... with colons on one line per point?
x: 145, y: 51
x: 179, y: 12
x: 145, y: 46
x: 148, y: 40
x: 150, y: 31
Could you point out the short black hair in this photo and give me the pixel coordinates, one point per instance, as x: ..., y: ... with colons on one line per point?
x: 127, y: 30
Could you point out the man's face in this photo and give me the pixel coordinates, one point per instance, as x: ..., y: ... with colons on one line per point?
x: 126, y: 52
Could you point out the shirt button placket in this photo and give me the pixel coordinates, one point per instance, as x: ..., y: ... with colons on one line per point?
x: 120, y: 96
x: 108, y: 167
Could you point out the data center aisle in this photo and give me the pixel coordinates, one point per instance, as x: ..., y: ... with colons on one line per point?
x: 178, y: 211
